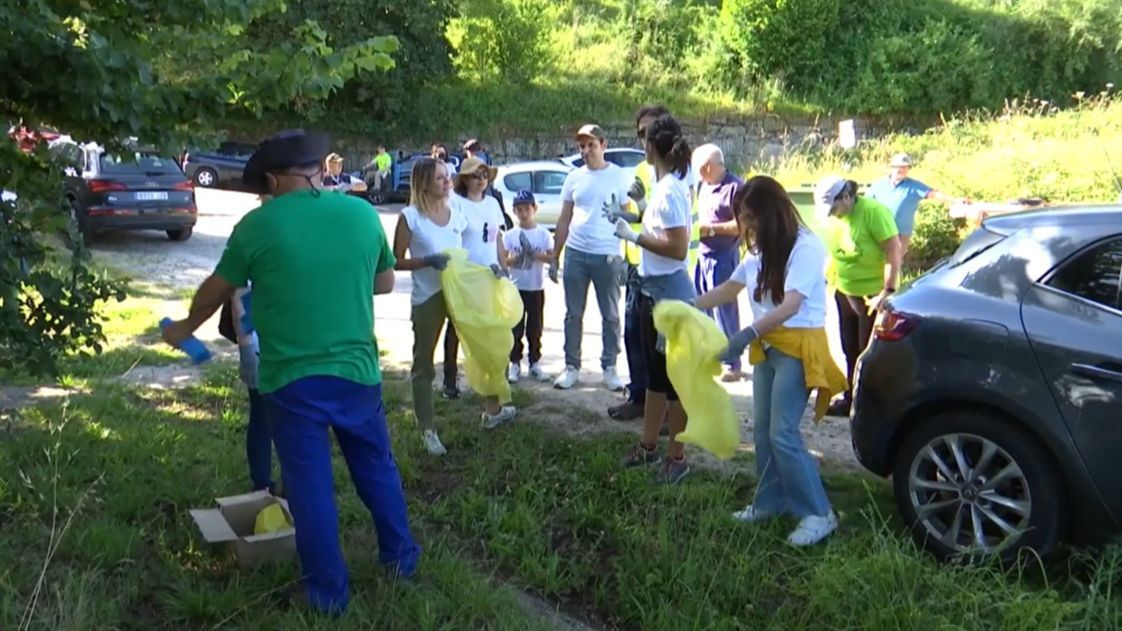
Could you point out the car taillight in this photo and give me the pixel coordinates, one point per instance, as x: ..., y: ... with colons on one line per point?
x: 184, y: 186
x: 103, y: 186
x: 893, y: 326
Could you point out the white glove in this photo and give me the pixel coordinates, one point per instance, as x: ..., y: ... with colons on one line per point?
x: 624, y: 231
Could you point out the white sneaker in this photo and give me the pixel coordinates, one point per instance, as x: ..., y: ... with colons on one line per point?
x: 813, y: 529
x: 507, y: 413
x: 612, y: 380
x: 568, y: 379
x: 537, y: 373
x: 433, y: 444
x: 513, y: 372
x: 752, y: 516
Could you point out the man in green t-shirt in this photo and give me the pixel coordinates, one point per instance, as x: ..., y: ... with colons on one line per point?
x: 861, y: 236
x: 315, y: 259
x: 382, y: 164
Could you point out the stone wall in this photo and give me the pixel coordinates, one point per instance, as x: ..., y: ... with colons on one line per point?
x: 745, y: 141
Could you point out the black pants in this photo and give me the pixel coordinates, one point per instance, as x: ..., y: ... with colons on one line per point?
x: 657, y: 379
x: 856, y: 328
x: 530, y: 326
x: 451, y: 355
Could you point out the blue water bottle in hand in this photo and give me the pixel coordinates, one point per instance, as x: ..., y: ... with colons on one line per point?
x: 195, y: 349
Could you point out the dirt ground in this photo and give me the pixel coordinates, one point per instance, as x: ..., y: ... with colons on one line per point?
x: 176, y: 267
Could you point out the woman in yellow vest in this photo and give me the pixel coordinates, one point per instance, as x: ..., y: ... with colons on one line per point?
x: 785, y: 275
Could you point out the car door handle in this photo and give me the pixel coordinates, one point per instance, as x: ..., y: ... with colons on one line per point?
x: 1096, y: 372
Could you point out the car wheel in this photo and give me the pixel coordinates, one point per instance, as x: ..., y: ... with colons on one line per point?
x: 206, y: 177
x: 971, y: 485
x: 181, y: 234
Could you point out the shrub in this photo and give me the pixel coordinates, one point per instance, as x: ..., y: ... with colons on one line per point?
x: 936, y: 235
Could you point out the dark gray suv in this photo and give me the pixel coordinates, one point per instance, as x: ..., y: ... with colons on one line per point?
x: 992, y: 390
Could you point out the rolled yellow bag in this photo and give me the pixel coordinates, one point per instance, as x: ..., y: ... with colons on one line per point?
x: 693, y: 342
x: 271, y: 519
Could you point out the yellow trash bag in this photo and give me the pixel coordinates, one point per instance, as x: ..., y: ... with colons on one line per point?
x: 484, y: 311
x: 693, y: 342
x: 271, y: 519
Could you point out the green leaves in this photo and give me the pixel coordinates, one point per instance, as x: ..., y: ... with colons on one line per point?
x: 166, y: 72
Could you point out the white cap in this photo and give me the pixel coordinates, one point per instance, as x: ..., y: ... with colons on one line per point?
x: 825, y: 191
x: 900, y: 160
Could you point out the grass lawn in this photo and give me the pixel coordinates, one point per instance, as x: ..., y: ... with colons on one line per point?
x: 518, y: 508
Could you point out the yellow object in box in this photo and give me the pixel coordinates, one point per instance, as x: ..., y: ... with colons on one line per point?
x: 484, y: 311
x: 271, y: 519
x: 693, y: 343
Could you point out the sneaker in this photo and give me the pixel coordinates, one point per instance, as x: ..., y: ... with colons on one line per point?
x: 451, y: 392
x: 732, y: 376
x: 673, y: 470
x: 640, y: 456
x: 838, y: 407
x: 432, y: 443
x: 568, y: 379
x: 752, y: 516
x: 813, y: 529
x: 514, y: 372
x: 507, y: 413
x: 612, y: 380
x: 626, y: 411
x: 537, y: 374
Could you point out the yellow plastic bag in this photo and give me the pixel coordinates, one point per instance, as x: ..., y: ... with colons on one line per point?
x: 271, y: 519
x: 484, y: 311
x: 693, y: 342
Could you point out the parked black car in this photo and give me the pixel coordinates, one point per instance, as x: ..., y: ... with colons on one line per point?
x: 221, y: 168
x: 140, y: 191
x: 992, y: 392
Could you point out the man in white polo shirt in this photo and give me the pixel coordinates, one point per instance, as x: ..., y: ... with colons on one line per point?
x: 590, y: 199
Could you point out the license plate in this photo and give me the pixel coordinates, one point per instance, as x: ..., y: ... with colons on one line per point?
x: 150, y: 196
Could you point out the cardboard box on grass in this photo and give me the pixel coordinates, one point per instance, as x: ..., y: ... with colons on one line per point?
x: 233, y: 521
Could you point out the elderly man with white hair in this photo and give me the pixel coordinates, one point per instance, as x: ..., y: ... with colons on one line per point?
x: 720, y: 241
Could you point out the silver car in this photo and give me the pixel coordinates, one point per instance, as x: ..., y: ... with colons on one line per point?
x: 543, y: 178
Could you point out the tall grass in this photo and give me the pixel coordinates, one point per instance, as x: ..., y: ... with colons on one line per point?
x: 1031, y: 148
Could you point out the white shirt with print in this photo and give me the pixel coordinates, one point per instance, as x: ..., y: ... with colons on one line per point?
x: 541, y: 241
x: 484, y: 224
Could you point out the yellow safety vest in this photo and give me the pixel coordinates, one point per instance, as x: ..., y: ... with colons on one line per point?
x: 645, y: 174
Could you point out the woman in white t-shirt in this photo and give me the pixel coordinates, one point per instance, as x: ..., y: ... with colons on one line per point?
x: 483, y: 242
x: 428, y: 226
x: 664, y: 275
x: 785, y: 274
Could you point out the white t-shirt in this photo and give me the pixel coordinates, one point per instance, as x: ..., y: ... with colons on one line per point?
x: 541, y: 241
x: 429, y: 238
x: 484, y: 222
x: 806, y: 274
x: 669, y: 208
x: 590, y: 231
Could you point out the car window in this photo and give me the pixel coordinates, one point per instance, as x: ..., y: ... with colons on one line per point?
x: 578, y: 162
x: 1094, y: 274
x: 626, y: 159
x: 138, y: 162
x: 518, y: 181
x: 549, y: 182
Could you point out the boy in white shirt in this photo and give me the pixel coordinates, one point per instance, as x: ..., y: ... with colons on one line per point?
x: 528, y: 248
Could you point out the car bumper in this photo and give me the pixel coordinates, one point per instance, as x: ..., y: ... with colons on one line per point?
x: 102, y: 219
x: 882, y: 390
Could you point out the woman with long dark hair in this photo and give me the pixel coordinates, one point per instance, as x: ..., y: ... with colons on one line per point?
x: 664, y: 275
x: 784, y: 273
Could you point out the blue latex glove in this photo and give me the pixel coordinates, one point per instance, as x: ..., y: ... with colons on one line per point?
x: 738, y: 343
x: 498, y: 271
x: 436, y: 261
x: 247, y: 364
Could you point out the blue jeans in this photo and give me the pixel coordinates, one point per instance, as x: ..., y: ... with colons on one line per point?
x: 259, y: 444
x: 633, y: 339
x: 787, y: 473
x: 714, y: 268
x: 302, y: 412
x: 579, y: 270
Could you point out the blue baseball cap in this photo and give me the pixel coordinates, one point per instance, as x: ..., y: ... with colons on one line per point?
x: 524, y: 197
